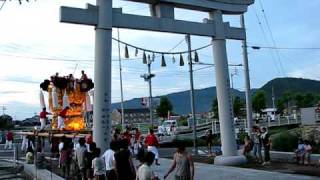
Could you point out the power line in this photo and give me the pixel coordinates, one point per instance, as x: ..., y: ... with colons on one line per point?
x: 284, y: 48
x: 182, y: 40
x: 266, y: 39
x: 272, y: 37
x: 4, y: 1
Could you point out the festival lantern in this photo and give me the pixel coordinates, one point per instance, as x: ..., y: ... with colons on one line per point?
x: 173, y: 59
x: 136, y: 53
x: 181, y: 60
x: 126, y: 52
x: 144, y: 58
x: 163, y: 61
x: 153, y: 57
x: 196, y: 57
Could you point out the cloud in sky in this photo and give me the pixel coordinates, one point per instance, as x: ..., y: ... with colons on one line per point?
x: 34, y: 45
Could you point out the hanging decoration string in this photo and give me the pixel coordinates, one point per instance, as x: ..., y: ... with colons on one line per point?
x: 159, y: 52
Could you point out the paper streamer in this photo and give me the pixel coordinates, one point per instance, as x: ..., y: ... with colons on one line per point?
x: 42, y: 102
x: 55, y: 102
x: 65, y: 100
x: 88, y: 103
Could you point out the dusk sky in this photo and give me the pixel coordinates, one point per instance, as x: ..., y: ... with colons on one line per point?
x: 34, y: 45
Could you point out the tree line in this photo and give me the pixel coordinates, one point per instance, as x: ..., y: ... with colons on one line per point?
x: 283, y: 104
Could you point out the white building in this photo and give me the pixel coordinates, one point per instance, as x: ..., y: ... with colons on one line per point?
x: 310, y: 116
x: 271, y: 113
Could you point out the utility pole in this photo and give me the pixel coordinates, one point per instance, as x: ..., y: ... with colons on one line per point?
x: 247, y: 78
x: 3, y: 109
x: 150, y: 91
x: 188, y: 39
x: 148, y: 77
x: 273, y: 99
x: 121, y: 87
x: 232, y: 75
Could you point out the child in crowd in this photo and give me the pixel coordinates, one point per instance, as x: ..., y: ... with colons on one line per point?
x: 98, y: 166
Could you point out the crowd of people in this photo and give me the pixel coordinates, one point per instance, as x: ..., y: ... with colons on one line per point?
x: 303, y: 152
x: 260, y: 139
x: 82, y: 159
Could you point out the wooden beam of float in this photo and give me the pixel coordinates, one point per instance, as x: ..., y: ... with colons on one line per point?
x: 57, y: 134
x: 89, y: 16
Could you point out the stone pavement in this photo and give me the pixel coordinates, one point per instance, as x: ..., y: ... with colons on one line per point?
x: 212, y: 172
x: 8, y: 171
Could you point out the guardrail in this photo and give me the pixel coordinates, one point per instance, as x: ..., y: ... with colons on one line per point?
x: 214, y: 125
x: 242, y: 124
x: 11, y: 154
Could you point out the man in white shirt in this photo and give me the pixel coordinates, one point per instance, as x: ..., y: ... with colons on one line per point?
x: 109, y: 160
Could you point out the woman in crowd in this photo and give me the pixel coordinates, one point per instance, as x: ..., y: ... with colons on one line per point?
x: 183, y: 163
x: 209, y: 139
x: 307, y: 152
x: 256, y: 135
x: 248, y: 145
x: 299, y: 152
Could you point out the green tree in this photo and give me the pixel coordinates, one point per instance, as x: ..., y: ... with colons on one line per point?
x: 308, y: 100
x: 6, y: 122
x: 287, y: 98
x: 214, y: 108
x: 299, y: 100
x: 164, y: 107
x: 280, y: 106
x: 259, y: 101
x: 238, y: 104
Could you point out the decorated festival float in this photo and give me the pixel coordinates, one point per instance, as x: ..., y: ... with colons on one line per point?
x: 66, y: 92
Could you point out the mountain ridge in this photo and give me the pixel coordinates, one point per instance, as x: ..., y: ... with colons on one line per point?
x: 205, y: 96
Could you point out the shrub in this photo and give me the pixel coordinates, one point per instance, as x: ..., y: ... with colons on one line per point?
x: 285, y: 141
x: 241, y: 137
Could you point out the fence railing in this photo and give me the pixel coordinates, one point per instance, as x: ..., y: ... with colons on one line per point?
x: 9, y: 153
x: 242, y: 124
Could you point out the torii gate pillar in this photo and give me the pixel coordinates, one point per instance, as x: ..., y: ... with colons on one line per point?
x: 102, y: 76
x: 227, y: 132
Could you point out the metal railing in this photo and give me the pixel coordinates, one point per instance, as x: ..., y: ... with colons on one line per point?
x: 242, y: 124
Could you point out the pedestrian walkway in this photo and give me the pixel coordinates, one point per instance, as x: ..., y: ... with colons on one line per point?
x: 7, y: 171
x: 212, y: 172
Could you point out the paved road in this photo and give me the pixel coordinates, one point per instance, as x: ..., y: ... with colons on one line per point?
x: 212, y: 172
x: 8, y: 171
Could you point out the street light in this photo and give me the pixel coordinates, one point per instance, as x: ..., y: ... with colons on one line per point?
x: 148, y: 77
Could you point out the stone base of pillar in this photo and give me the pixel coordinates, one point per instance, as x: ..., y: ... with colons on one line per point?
x: 230, y: 160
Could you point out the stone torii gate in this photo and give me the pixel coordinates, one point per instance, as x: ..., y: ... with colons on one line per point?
x: 104, y: 17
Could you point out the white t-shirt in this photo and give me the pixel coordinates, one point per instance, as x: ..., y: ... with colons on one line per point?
x: 145, y: 172
x: 60, y: 146
x: 108, y: 157
x: 98, y: 166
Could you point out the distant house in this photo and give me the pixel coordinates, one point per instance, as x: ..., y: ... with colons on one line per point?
x: 271, y: 113
x: 310, y: 116
x: 131, y: 116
